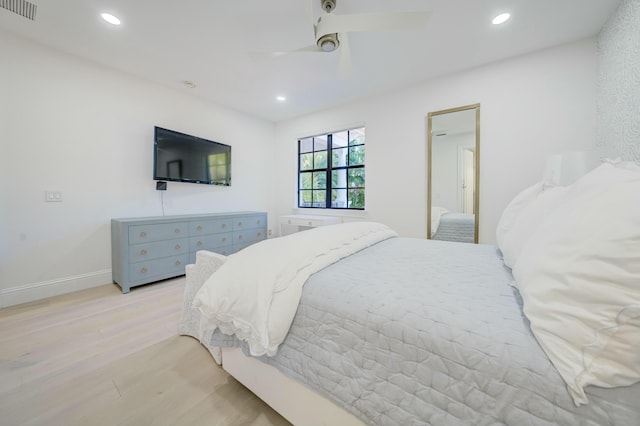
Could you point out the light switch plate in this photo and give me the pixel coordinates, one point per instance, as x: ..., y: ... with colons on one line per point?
x: 53, y: 196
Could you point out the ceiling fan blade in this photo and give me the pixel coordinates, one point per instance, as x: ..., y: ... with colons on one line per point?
x: 344, y: 70
x: 332, y: 23
x: 263, y: 56
x: 312, y: 48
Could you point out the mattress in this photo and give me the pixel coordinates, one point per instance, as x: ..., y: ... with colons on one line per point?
x: 456, y: 227
x: 411, y: 331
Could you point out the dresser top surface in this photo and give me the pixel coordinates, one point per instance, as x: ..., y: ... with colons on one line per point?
x: 177, y: 218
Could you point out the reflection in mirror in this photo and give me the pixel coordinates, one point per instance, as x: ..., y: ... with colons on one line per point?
x: 453, y: 174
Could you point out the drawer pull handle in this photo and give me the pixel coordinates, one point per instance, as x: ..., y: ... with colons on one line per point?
x: 143, y: 234
x: 143, y: 252
x: 224, y: 225
x: 289, y: 221
x: 199, y: 243
x: 259, y: 234
x: 310, y: 223
x: 143, y: 270
x: 258, y: 222
x: 199, y: 228
x: 239, y: 237
x: 224, y: 239
x: 177, y: 231
x: 177, y: 263
x: 177, y: 246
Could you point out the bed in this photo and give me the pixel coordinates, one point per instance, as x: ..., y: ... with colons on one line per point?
x: 402, y: 331
x: 458, y: 227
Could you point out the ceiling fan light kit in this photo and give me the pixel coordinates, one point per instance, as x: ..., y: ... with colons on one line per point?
x: 328, y: 42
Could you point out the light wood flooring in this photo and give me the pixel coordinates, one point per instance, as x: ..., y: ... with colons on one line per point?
x: 100, y: 357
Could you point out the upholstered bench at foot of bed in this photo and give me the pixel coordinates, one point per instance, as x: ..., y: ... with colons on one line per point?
x: 196, y: 275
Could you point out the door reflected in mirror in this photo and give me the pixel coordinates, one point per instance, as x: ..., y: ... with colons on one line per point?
x: 453, y: 174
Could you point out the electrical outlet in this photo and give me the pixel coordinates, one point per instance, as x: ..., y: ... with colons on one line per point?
x: 270, y: 232
x: 53, y: 196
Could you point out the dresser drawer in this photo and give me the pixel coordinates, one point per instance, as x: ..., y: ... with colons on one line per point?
x: 249, y: 222
x: 308, y: 220
x: 158, y: 249
x: 142, y: 271
x: 209, y: 242
x: 206, y: 227
x: 248, y: 236
x: 146, y: 233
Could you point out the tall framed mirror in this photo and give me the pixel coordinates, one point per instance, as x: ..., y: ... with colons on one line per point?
x: 453, y: 174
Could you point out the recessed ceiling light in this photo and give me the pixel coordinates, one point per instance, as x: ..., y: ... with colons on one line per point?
x: 190, y: 84
x: 113, y: 20
x: 501, y: 19
x: 281, y: 98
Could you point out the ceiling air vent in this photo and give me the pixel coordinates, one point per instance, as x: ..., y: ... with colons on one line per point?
x: 20, y: 7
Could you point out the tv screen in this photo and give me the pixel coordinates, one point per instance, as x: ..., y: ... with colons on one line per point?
x: 184, y: 158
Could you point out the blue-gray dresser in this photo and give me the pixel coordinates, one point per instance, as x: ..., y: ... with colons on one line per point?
x: 149, y: 249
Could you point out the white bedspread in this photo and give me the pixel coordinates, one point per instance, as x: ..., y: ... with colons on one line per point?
x: 436, y: 213
x: 255, y: 294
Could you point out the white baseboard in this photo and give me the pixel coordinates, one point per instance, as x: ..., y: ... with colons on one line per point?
x: 36, y: 291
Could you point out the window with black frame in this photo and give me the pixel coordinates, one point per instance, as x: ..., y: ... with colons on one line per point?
x: 331, y: 170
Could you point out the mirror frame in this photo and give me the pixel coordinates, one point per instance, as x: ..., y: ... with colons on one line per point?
x: 476, y: 196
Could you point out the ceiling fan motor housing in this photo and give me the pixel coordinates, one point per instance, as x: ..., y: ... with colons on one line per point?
x: 328, y: 42
x: 328, y: 5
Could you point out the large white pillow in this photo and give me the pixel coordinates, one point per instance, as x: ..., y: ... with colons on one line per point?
x: 514, y: 209
x: 528, y: 221
x: 579, y: 276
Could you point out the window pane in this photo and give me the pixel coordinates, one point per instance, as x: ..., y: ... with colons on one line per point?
x: 305, y: 198
x: 320, y: 143
x: 340, y: 139
x: 339, y: 157
x: 305, y: 180
x: 306, y: 145
x: 339, y: 178
x: 320, y: 160
x: 320, y: 180
x: 306, y: 161
x: 339, y: 198
x: 319, y: 198
x: 356, y: 136
x: 356, y: 177
x: 356, y: 155
x: 356, y: 198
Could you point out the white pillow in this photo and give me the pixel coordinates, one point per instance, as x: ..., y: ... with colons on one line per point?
x: 579, y: 277
x: 528, y: 222
x: 514, y: 208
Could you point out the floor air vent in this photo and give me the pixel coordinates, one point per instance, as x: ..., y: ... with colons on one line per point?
x: 20, y: 7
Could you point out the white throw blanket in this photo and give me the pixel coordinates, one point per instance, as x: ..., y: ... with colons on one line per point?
x: 255, y: 293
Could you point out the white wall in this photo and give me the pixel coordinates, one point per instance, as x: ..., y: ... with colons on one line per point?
x: 531, y: 107
x: 69, y: 125
x: 619, y: 84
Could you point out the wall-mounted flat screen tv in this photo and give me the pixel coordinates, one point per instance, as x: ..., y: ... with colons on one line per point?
x: 184, y: 158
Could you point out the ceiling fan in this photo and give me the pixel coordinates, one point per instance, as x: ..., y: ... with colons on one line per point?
x: 331, y: 30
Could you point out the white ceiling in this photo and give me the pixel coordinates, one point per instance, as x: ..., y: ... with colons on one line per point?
x: 214, y: 44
